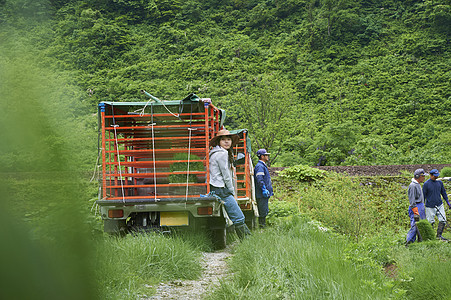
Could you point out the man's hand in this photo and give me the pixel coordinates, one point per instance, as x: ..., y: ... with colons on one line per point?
x: 265, y: 192
x: 415, y: 211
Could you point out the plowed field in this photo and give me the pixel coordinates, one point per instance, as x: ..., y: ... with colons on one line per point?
x: 389, y: 170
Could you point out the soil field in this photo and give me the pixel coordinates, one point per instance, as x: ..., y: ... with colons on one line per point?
x: 389, y: 170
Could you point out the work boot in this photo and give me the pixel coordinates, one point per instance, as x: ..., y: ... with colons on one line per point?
x: 440, y: 227
x: 262, y: 222
x: 242, y: 231
x: 420, y: 239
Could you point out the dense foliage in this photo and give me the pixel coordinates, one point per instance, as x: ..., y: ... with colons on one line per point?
x: 316, y: 81
x: 372, y: 212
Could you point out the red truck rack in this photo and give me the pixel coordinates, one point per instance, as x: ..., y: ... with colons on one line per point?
x: 155, y: 166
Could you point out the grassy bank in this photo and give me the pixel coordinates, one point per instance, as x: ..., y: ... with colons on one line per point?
x: 370, y: 216
x: 297, y: 260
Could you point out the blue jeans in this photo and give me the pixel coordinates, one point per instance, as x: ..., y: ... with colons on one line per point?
x: 412, y: 234
x: 262, y: 205
x: 233, y: 210
x: 230, y: 204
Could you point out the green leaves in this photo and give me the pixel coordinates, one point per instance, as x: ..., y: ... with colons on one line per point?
x: 302, y: 173
x: 332, y: 74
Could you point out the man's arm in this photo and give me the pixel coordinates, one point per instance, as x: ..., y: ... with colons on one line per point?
x: 259, y: 175
x: 445, y: 196
x: 225, y: 171
x: 411, y: 196
x: 426, y: 191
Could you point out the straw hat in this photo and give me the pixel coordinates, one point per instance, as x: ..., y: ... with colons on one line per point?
x: 224, y: 132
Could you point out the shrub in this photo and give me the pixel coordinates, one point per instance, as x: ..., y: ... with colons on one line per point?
x: 426, y: 230
x: 302, y: 173
x: 446, y: 172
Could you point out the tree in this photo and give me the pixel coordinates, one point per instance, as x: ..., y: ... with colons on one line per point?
x: 264, y: 105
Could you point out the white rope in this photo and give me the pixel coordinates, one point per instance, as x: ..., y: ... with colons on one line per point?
x: 175, y: 115
x: 189, y: 154
x: 154, y: 169
x: 119, y: 162
x: 142, y: 111
x: 96, y: 167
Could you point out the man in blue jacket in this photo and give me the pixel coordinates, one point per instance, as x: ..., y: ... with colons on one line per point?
x: 433, y: 190
x: 263, y: 186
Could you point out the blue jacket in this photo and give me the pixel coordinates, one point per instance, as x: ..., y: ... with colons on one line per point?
x: 261, y: 176
x: 432, y: 189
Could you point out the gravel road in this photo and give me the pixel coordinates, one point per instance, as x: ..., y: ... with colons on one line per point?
x: 215, y: 267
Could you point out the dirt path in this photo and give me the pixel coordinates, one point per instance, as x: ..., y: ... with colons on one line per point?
x: 215, y: 267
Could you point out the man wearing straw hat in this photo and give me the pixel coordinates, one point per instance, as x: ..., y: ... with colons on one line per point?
x: 221, y: 178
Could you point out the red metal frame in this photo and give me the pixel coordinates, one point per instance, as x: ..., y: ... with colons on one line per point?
x: 127, y: 152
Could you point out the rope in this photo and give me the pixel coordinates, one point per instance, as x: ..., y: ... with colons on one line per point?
x: 153, y: 152
x: 189, y: 151
x: 142, y: 111
x: 119, y: 162
x: 189, y: 154
x: 96, y: 167
x: 99, y: 150
x: 117, y: 151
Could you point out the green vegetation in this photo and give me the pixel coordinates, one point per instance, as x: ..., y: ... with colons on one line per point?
x: 297, y: 257
x: 445, y: 172
x: 315, y: 81
x: 183, y: 166
x: 352, y: 206
x: 372, y: 212
x: 126, y: 265
x: 302, y: 173
x: 427, y: 232
x: 296, y: 260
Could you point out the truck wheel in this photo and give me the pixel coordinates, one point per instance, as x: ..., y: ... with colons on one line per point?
x: 114, y: 226
x: 219, y: 238
x: 251, y: 220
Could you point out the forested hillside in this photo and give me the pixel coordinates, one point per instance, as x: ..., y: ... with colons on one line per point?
x: 317, y: 82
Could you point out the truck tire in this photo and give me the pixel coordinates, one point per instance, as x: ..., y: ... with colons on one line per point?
x: 251, y: 220
x: 219, y: 238
x: 114, y: 226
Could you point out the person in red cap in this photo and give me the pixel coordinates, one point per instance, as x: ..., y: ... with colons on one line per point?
x: 263, y: 188
x: 221, y: 178
x: 433, y: 191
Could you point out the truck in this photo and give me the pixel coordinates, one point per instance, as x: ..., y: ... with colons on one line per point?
x: 155, y: 167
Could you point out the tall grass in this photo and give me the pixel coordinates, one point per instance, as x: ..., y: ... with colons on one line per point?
x: 127, y: 266
x: 349, y: 205
x: 373, y: 213
x: 296, y: 260
x: 425, y: 270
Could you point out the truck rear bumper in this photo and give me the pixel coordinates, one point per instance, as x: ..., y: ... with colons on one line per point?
x: 153, y: 201
x: 202, y: 207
